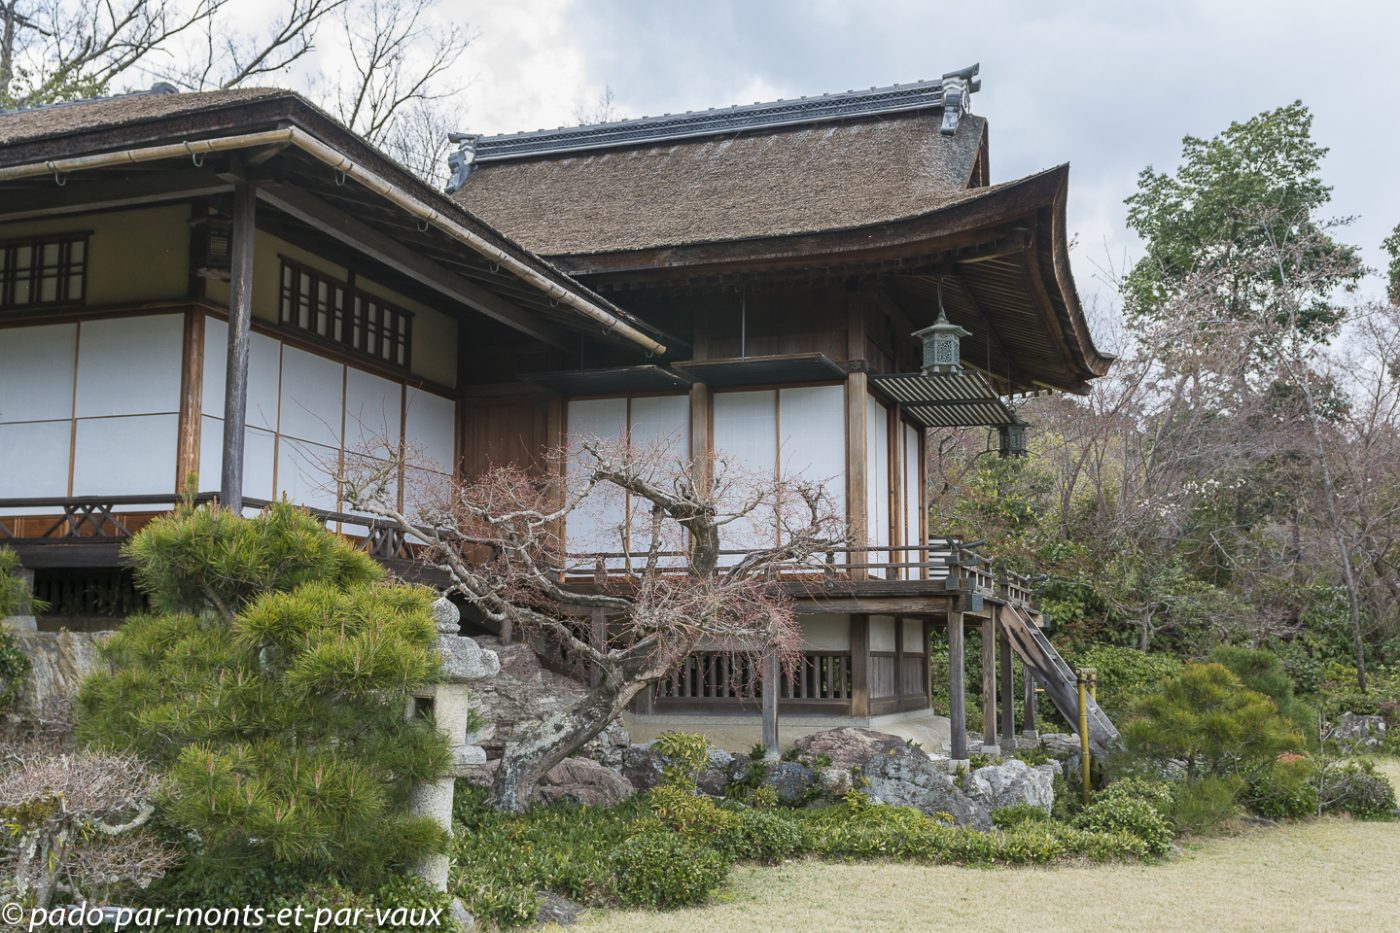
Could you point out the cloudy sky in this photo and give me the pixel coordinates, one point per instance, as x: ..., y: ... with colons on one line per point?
x: 1109, y: 87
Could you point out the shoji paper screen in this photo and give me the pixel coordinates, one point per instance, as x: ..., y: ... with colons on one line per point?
x: 36, y: 409
x: 877, y: 475
x: 659, y: 427
x: 813, y: 428
x: 914, y: 519
x: 599, y: 523
x: 746, y: 452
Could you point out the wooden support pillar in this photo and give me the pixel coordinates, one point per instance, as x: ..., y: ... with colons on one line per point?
x: 1008, y: 690
x: 989, y: 687
x: 240, y: 319
x: 772, y: 685
x: 860, y: 665
x: 191, y: 399
x: 700, y: 458
x: 1028, y: 701
x: 957, y: 686
x: 857, y: 388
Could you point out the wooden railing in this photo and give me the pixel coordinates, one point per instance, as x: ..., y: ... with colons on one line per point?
x: 725, y: 678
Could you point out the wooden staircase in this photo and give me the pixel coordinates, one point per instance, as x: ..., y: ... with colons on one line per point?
x: 1056, y: 677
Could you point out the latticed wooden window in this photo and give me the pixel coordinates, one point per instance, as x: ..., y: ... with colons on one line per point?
x: 342, y: 314
x: 43, y: 271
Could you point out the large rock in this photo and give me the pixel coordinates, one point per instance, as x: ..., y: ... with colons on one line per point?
x: 1013, y: 782
x: 793, y: 782
x: 643, y: 766
x: 1359, y: 733
x: 714, y: 778
x: 464, y: 661
x: 1060, y: 745
x: 847, y: 747
x: 523, y: 694
x: 59, y: 662
x: 578, y: 780
x: 909, y: 778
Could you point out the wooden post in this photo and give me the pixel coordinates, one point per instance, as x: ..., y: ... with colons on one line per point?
x: 191, y: 395
x: 772, y: 685
x: 957, y: 686
x: 989, y: 688
x: 1028, y: 726
x: 1008, y: 690
x: 860, y: 666
x: 856, y: 519
x: 240, y: 319
x: 701, y: 462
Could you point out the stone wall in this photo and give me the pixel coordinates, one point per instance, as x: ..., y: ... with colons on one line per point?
x: 59, y: 663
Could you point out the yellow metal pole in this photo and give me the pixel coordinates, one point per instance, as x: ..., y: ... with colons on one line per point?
x: 1083, y: 682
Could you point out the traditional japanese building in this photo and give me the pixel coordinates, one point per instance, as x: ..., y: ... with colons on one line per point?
x: 232, y: 285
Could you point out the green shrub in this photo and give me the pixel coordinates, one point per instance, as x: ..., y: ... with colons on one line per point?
x: 1200, y: 807
x: 665, y: 870
x: 1018, y: 815
x: 1356, y: 788
x: 1156, y: 793
x: 1128, y: 815
x: 14, y: 668
x: 1206, y: 717
x: 685, y: 752
x: 1126, y: 675
x: 691, y: 814
x: 765, y: 836
x: 1282, y: 791
x: 282, y: 730
x: 1263, y: 672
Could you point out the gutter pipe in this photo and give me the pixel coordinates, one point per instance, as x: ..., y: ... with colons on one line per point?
x: 343, y: 165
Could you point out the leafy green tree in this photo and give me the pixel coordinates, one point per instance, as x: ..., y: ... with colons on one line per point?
x: 1263, y: 672
x: 1207, y: 718
x: 1392, y: 246
x: 272, y: 683
x: 1233, y: 199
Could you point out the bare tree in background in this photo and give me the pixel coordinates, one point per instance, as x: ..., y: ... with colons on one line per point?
x: 626, y: 616
x: 395, y: 89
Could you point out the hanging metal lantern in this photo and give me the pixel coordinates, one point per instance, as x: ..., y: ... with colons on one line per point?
x: 942, y: 343
x: 1013, y: 438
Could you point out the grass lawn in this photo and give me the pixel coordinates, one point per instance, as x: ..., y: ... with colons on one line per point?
x: 1330, y: 874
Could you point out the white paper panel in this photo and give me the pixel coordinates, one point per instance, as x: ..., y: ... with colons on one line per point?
x: 373, y: 411
x: 877, y: 473
x: 312, y: 394
x: 125, y: 456
x: 881, y: 633
x: 258, y: 457
x: 264, y: 367
x: 36, y: 374
x: 813, y: 423
x: 660, y: 426
x: 746, y: 434
x: 598, y: 523
x: 130, y: 365
x: 34, y: 460
x: 914, y: 521
x: 430, y: 429
x: 913, y: 636
x: 306, y: 473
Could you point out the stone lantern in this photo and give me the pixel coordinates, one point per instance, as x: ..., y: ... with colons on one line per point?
x: 445, y: 703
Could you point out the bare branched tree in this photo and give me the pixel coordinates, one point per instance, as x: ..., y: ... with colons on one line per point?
x: 77, y: 825
x: 668, y: 588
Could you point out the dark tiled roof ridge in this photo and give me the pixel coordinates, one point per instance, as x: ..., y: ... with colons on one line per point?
x: 894, y: 98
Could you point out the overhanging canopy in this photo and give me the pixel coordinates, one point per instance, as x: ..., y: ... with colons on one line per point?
x: 944, y: 401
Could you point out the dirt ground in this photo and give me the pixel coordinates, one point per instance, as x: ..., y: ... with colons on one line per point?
x: 1330, y: 874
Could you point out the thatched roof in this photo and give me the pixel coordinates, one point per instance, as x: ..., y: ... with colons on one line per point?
x: 776, y: 182
x: 86, y: 116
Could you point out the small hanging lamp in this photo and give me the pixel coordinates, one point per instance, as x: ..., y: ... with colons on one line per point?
x: 1013, y: 437
x: 942, y: 338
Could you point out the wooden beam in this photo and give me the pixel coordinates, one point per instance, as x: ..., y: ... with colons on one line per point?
x: 78, y: 197
x: 240, y: 319
x: 989, y: 687
x: 311, y: 210
x: 1008, y: 690
x: 957, y: 686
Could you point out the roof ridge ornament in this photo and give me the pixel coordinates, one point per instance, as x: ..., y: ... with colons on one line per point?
x: 461, y: 162
x: 958, y: 87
